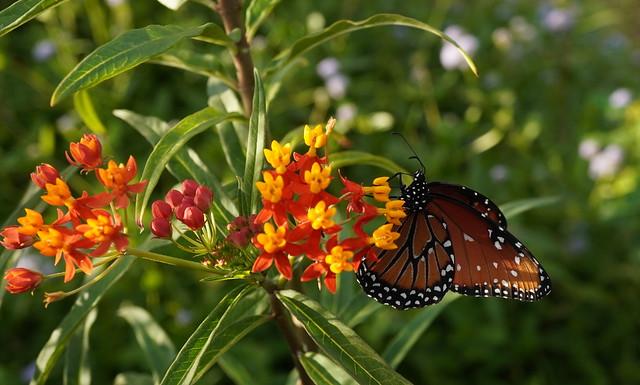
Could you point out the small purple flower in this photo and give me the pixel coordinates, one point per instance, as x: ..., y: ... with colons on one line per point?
x: 43, y: 50
x: 450, y: 57
x: 607, y: 162
x: 499, y: 173
x: 558, y: 19
x: 337, y: 86
x: 328, y: 67
x: 620, y: 98
x: 346, y: 112
x: 588, y: 149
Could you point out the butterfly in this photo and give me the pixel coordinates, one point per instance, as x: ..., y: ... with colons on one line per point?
x: 453, y: 238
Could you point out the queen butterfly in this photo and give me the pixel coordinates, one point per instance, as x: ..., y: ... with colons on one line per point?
x: 453, y: 238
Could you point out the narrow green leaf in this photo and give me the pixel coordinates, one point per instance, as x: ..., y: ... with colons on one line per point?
x: 86, y: 301
x: 84, y: 107
x: 131, y: 378
x: 238, y: 313
x: 186, y: 163
x: 76, y: 366
x: 152, y: 339
x: 256, y: 13
x: 121, y: 54
x: 411, y: 332
x: 170, y: 144
x: 231, y: 147
x: 194, y: 62
x: 359, y: 309
x: 350, y: 158
x: 339, y: 342
x: 22, y: 11
x: 342, y: 27
x: 323, y: 371
x: 514, y: 208
x: 236, y: 370
x: 255, y: 146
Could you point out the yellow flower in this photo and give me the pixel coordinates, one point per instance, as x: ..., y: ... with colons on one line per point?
x: 339, y: 260
x: 58, y: 194
x: 380, y: 189
x: 279, y: 156
x: 318, y: 178
x: 321, y: 217
x: 314, y: 138
x: 31, y: 223
x: 393, y: 211
x: 384, y: 238
x: 272, y: 240
x: 99, y: 229
x: 271, y: 189
x: 51, y: 243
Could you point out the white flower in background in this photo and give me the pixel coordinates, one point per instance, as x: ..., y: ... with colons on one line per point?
x: 588, y: 149
x: 337, y: 86
x: 328, y: 67
x: 449, y: 55
x: 499, y: 172
x: 521, y: 29
x: 43, y: 50
x: 114, y: 3
x: 346, y: 112
x: 558, y: 19
x: 67, y: 122
x: 620, y: 98
x: 183, y: 317
x: 607, y: 162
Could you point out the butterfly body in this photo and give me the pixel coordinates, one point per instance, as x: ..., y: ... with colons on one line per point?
x: 453, y: 238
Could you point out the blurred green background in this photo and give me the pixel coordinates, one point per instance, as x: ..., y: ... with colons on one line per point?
x: 554, y: 113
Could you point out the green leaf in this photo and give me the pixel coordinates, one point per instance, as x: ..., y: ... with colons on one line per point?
x: 236, y: 370
x: 76, y: 365
x: 238, y: 313
x: 85, y: 302
x: 131, y: 378
x: 194, y: 62
x: 256, y: 13
x: 411, y: 332
x: 123, y: 53
x: 339, y: 342
x: 514, y: 208
x: 323, y: 371
x: 152, y: 339
x: 342, y: 27
x: 170, y: 143
x: 186, y: 163
x: 255, y: 146
x: 359, y: 309
x: 84, y: 107
x: 22, y: 11
x: 172, y: 4
x: 350, y: 158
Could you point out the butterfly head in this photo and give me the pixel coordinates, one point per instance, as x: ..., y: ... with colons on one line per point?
x: 416, y: 195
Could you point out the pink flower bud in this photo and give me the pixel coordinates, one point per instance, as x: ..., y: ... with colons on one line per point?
x: 240, y: 238
x: 203, y: 198
x: 14, y: 240
x: 161, y: 209
x: 193, y: 217
x: 174, y: 198
x: 189, y: 187
x: 161, y: 228
x: 45, y: 173
x: 180, y: 211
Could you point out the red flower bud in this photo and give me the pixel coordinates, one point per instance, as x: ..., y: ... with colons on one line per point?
x: 20, y: 280
x: 193, y: 217
x: 161, y: 209
x: 86, y: 154
x: 45, y: 173
x: 14, y: 240
x: 174, y: 198
x: 203, y: 198
x: 161, y: 228
x: 189, y: 187
x: 240, y: 238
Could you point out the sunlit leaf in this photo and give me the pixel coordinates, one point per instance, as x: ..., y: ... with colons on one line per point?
x: 172, y: 4
x: 514, y: 208
x: 323, y: 371
x: 152, y: 339
x: 84, y: 107
x: 339, y: 342
x: 350, y: 158
x: 170, y: 144
x: 257, y: 12
x: 86, y: 301
x: 22, y: 11
x: 238, y: 313
x: 76, y: 364
x: 409, y: 334
x: 194, y: 62
x: 123, y: 53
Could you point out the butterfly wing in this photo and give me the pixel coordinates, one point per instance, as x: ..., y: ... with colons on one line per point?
x: 490, y: 261
x: 470, y: 198
x: 419, y: 272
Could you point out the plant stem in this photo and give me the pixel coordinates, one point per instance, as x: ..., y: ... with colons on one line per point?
x: 167, y: 259
x: 231, y: 13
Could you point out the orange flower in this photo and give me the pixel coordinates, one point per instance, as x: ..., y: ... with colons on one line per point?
x: 31, y: 223
x: 14, y: 239
x: 273, y: 243
x: 63, y: 243
x: 86, y: 154
x: 116, y: 178
x: 20, y: 280
x: 58, y: 194
x: 103, y: 230
x: 45, y: 173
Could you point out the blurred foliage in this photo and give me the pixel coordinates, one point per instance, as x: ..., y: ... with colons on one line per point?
x: 555, y: 112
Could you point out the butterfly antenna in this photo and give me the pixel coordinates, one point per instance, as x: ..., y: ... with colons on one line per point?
x: 415, y: 155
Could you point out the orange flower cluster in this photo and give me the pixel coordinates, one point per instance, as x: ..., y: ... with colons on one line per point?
x: 83, y: 228
x: 299, y: 215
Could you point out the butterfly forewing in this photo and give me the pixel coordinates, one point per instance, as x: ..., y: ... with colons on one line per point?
x: 470, y: 198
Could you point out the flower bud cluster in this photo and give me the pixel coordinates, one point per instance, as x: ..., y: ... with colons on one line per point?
x: 188, y: 205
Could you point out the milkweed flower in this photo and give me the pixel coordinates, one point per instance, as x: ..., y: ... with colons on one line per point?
x: 279, y: 156
x: 22, y: 280
x: 86, y: 154
x: 104, y: 230
x: 31, y: 223
x: 45, y: 173
x: 13, y: 239
x: 116, y: 178
x: 384, y: 238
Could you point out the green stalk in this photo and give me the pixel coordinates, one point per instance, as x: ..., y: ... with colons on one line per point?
x: 161, y: 258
